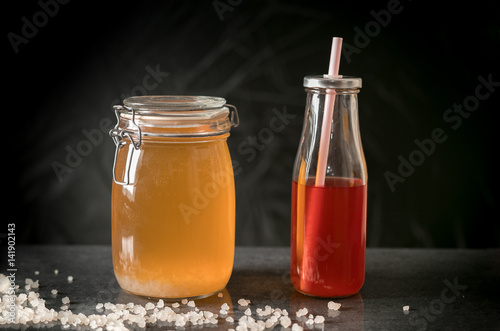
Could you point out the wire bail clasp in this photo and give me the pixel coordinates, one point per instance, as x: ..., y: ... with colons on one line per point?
x: 233, y: 115
x: 118, y: 135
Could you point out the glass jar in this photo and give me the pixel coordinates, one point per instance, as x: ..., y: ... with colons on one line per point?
x: 329, y: 192
x: 173, y: 199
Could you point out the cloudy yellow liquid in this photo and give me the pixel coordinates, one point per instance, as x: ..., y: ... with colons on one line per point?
x: 173, y: 226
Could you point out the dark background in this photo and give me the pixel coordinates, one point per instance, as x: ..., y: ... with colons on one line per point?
x: 425, y: 58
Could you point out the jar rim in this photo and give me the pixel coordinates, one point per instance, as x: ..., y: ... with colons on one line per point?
x: 325, y: 81
x: 172, y: 103
x: 174, y: 116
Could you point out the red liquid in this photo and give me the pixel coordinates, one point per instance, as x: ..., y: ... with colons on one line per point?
x: 328, y: 240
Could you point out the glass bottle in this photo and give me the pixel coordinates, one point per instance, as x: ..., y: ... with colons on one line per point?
x: 329, y: 192
x: 173, y: 199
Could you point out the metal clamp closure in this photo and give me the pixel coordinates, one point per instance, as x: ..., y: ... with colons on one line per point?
x: 119, y: 136
x: 233, y: 115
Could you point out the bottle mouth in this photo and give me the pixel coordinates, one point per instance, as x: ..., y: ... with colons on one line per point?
x: 338, y: 82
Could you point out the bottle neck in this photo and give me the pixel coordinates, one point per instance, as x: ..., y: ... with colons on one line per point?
x: 335, y: 110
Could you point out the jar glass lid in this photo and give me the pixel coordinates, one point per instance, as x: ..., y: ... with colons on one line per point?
x: 155, y: 103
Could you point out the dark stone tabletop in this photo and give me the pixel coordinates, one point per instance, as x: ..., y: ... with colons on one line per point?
x: 445, y: 289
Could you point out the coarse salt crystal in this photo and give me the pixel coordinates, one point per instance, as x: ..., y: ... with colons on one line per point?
x: 269, y: 323
x: 110, y: 306
x: 285, y: 321
x: 149, y: 306
x: 65, y: 300
x: 4, y: 283
x: 22, y: 298
x: 229, y: 319
x: 70, y: 279
x: 191, y: 303
x: 56, y: 272
x: 301, y: 312
x: 220, y: 295
x: 248, y: 312
x: 319, y: 319
x: 34, y: 302
x: 160, y: 303
x: 406, y: 308
x: 296, y: 327
x: 243, y: 302
x: 99, y: 306
x: 333, y: 305
x: 175, y: 305
x: 184, y: 301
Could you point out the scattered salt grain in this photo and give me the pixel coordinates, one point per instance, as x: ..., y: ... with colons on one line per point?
x: 37, y: 272
x: 268, y: 324
x: 4, y: 283
x: 266, y: 312
x: 333, y: 305
x: 110, y: 306
x: 34, y: 302
x: 285, y: 321
x: 406, y: 308
x: 301, y: 312
x: 319, y: 319
x: 56, y: 272
x: 31, y: 309
x: 243, y: 302
x: 22, y: 298
x: 70, y: 279
x: 220, y: 295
